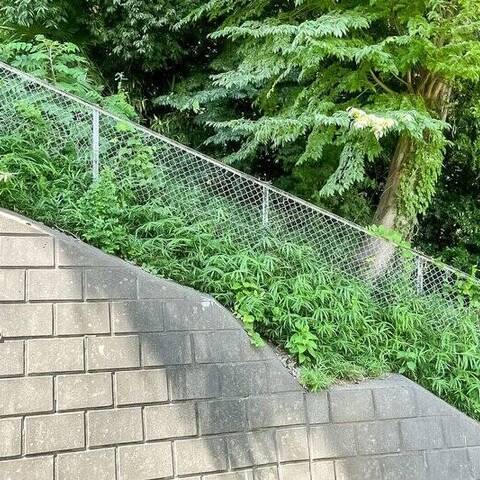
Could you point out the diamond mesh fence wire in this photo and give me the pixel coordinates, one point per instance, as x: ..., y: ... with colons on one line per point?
x: 249, y: 207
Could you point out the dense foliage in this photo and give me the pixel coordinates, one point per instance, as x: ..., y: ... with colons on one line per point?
x: 451, y: 228
x: 130, y: 41
x: 373, y: 80
x: 336, y: 327
x: 368, y: 108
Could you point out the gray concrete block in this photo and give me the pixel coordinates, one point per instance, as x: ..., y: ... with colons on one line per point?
x: 264, y: 352
x: 278, y: 410
x: 295, y: 471
x: 201, y: 455
x: 430, y: 405
x: 358, y: 468
x: 448, y: 465
x: 107, y: 353
x: 74, y: 253
x: 38, y: 468
x: 222, y: 416
x: 197, y: 315
x: 142, y: 386
x: 166, y: 349
x: 421, y: 433
x: 252, y: 449
x: 244, y: 475
x: 84, y: 391
x: 53, y: 284
x: 351, y: 405
x: 169, y: 421
x: 12, y: 285
x: 394, y: 402
x: 378, y: 437
x: 266, y: 473
x: 14, y: 223
x: 224, y: 346
x: 474, y: 456
x: 46, y: 355
x: 155, y: 287
x: 26, y: 395
x: 194, y: 382
x: 145, y: 462
x: 81, y: 318
x: 279, y: 378
x: 11, y: 358
x: 317, y: 407
x: 404, y: 467
x: 243, y: 379
x: 53, y: 433
x: 94, y: 464
x: 137, y: 316
x: 323, y: 470
x: 230, y: 476
x: 292, y: 444
x: 109, y: 427
x: 27, y: 320
x: 10, y: 437
x: 329, y: 440
x: 461, y: 431
x: 17, y: 251
x: 110, y: 283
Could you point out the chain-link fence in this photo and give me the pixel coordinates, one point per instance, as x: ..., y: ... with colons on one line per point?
x: 100, y: 140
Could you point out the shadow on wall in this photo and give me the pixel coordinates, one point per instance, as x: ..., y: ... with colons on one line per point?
x: 219, y: 384
x: 174, y: 383
x: 229, y: 407
x: 225, y: 404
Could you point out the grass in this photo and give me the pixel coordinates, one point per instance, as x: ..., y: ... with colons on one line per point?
x: 283, y: 289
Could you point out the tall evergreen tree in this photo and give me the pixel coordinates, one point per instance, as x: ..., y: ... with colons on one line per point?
x: 373, y: 79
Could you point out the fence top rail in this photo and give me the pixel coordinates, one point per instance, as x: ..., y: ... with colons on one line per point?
x: 101, y: 111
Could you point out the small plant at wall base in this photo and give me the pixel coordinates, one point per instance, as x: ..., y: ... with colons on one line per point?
x: 335, y: 326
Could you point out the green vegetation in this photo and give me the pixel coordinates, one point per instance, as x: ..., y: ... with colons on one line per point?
x: 276, y: 282
x: 371, y: 81
x: 451, y: 228
x: 367, y: 107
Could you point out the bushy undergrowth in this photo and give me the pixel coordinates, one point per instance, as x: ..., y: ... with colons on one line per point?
x: 335, y: 326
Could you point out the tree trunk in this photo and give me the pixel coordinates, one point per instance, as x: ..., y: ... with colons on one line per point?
x: 387, y: 213
x: 436, y: 94
x: 377, y: 253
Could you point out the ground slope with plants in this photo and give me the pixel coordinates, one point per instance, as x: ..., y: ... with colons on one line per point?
x: 284, y: 291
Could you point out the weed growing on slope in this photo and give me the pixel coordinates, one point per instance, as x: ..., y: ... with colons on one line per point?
x: 335, y: 326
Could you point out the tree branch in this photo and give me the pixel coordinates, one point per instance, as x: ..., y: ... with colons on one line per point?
x: 420, y: 89
x: 381, y: 84
x: 406, y: 83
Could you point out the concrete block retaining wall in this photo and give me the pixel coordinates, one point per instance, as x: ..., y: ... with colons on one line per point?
x: 109, y: 373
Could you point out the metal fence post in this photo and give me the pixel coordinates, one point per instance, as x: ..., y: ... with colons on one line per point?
x: 419, y: 274
x: 265, y: 205
x: 95, y: 143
